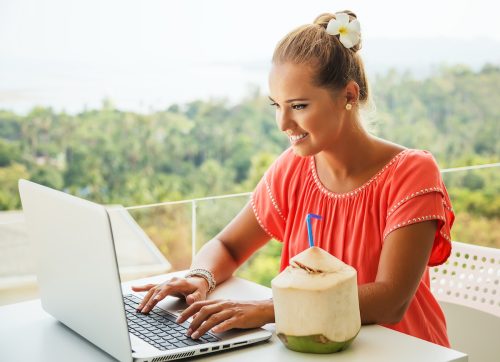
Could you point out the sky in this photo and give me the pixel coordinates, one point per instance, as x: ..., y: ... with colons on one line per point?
x: 146, y: 55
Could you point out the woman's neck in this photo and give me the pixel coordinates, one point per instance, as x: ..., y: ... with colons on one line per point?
x: 351, y: 162
x: 352, y: 154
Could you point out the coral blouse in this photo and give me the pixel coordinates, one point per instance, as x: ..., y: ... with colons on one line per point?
x: 407, y: 190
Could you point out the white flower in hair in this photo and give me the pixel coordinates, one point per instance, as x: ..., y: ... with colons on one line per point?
x: 350, y: 32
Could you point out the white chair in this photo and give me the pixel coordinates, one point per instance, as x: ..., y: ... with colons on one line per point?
x: 467, y: 287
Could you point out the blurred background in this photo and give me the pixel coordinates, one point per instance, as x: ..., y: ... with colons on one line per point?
x: 160, y: 111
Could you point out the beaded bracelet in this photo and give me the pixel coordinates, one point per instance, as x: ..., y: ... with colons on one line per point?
x: 205, y: 274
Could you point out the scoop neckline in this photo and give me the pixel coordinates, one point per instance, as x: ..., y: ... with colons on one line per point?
x: 358, y: 189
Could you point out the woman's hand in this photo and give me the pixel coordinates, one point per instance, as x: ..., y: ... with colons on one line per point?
x: 193, y: 289
x: 222, y: 315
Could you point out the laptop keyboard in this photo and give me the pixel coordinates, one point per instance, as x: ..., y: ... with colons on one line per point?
x: 159, y: 327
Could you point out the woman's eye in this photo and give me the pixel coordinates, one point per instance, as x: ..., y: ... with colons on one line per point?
x: 274, y: 104
x: 299, y: 106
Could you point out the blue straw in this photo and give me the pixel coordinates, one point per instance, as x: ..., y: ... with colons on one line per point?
x: 309, y: 228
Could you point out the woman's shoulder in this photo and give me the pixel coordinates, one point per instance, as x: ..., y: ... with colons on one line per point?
x: 401, y: 157
x: 416, y: 159
x: 414, y: 169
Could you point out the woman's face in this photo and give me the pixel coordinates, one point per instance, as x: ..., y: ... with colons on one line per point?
x: 311, y: 116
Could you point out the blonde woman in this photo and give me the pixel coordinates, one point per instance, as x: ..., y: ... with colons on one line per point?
x: 385, y: 208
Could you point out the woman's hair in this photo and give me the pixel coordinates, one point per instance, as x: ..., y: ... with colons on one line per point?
x: 334, y: 65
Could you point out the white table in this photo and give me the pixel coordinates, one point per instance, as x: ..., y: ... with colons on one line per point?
x: 27, y: 333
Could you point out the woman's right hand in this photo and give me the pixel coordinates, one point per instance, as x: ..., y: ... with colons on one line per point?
x: 193, y: 289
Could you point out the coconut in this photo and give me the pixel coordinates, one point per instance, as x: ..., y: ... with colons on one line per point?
x: 316, y: 303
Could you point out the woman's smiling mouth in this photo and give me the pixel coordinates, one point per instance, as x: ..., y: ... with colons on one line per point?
x: 294, y: 139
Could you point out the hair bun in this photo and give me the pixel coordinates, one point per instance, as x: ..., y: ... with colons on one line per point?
x: 323, y: 19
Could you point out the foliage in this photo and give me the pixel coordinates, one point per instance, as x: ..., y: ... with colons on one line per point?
x: 205, y: 148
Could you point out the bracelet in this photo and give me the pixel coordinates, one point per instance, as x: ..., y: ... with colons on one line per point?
x: 205, y: 274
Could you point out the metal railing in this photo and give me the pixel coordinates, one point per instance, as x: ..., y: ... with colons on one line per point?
x: 193, y: 203
x: 200, y: 219
x: 470, y: 168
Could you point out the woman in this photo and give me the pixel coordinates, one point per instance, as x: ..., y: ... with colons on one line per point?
x: 385, y: 208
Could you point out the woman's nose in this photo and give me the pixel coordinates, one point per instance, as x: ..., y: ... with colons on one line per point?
x: 283, y: 120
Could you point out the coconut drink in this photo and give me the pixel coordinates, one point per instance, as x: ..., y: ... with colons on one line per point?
x: 316, y: 303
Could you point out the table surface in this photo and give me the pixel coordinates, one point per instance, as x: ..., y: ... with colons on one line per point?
x: 28, y: 333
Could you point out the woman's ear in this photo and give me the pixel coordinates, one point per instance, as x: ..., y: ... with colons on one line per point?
x: 351, y: 92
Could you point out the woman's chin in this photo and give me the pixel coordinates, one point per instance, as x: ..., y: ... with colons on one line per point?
x: 301, y: 151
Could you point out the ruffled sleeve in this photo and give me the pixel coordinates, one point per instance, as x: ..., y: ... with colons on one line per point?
x: 270, y: 197
x: 417, y: 193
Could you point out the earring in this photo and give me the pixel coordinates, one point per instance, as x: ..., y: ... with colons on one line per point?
x: 348, y: 106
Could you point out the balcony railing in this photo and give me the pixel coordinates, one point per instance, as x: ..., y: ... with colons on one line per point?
x: 161, y: 237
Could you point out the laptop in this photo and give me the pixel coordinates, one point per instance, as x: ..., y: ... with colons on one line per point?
x: 80, y: 286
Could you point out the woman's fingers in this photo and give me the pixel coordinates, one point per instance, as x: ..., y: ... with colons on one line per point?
x: 193, y: 309
x: 225, y: 325
x: 203, y: 315
x: 226, y: 314
x: 196, y: 296
x: 175, y: 286
x: 212, y: 321
x: 146, y: 299
x: 159, y: 293
x: 152, y: 301
x: 143, y: 288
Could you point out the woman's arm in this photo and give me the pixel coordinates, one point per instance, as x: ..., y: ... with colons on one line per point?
x: 232, y: 246
x: 221, y: 255
x: 403, y: 260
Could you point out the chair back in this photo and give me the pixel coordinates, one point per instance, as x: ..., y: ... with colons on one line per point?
x: 467, y: 287
x: 470, y: 277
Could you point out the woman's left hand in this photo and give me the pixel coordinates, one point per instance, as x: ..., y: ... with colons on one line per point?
x: 222, y: 315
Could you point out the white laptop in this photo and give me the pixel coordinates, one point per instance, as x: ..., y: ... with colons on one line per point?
x: 80, y: 285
